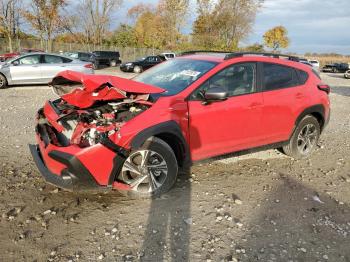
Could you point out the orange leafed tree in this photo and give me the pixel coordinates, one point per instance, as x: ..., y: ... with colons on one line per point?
x: 45, y: 18
x: 276, y: 38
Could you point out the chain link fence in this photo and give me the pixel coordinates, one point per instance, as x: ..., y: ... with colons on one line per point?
x: 126, y: 53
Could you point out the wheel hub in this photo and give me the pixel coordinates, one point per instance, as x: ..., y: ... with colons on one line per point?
x: 145, y: 171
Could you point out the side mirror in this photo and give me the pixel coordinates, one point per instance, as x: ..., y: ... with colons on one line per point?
x: 215, y: 94
x: 15, y: 63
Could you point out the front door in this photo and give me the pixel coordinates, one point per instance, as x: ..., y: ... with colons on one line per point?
x: 231, y: 125
x: 26, y: 70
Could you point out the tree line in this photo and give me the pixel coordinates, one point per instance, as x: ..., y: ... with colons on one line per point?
x: 218, y: 24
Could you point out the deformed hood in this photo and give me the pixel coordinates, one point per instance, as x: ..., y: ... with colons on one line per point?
x: 83, y: 90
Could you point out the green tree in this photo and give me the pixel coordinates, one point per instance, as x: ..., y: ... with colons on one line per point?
x: 223, y: 24
x: 276, y: 38
x: 124, y: 36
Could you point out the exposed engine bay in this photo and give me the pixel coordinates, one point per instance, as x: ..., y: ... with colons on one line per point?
x: 86, y: 127
x: 88, y: 110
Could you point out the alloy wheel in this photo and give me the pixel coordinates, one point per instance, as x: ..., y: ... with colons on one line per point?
x: 144, y: 171
x: 307, y: 139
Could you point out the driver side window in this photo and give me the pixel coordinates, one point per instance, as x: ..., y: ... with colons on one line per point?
x: 29, y: 60
x: 238, y: 79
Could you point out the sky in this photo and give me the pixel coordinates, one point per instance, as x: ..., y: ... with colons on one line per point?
x: 313, y: 25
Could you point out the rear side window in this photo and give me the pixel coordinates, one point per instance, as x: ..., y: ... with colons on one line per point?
x: 277, y: 76
x: 303, y: 76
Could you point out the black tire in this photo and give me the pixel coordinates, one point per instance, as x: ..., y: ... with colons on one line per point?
x: 159, y: 148
x: 138, y: 69
x: 295, y: 146
x: 3, y: 81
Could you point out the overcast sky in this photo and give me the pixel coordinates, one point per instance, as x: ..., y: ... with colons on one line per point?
x: 313, y: 25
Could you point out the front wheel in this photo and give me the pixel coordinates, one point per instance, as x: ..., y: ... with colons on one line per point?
x: 304, y: 139
x: 3, y: 82
x: 149, y: 171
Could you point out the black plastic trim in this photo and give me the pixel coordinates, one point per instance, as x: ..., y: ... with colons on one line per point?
x: 310, y: 110
x: 168, y: 127
x: 107, y: 142
x: 60, y: 181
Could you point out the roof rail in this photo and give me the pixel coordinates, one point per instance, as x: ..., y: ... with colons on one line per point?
x: 204, y: 51
x: 274, y: 55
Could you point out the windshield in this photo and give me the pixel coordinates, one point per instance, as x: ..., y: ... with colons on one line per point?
x: 175, y: 75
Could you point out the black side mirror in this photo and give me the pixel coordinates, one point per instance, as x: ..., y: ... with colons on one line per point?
x: 15, y: 63
x: 215, y: 94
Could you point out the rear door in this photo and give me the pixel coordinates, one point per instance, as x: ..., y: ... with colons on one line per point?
x: 230, y: 125
x: 52, y: 65
x: 26, y: 70
x: 284, y: 97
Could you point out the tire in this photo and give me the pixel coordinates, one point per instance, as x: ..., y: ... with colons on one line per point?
x: 304, y: 139
x: 334, y: 70
x: 113, y: 63
x: 347, y: 76
x: 3, y: 81
x: 149, y: 181
x: 138, y: 69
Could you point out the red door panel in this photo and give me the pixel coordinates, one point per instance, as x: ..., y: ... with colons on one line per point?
x: 226, y: 126
x: 281, y: 108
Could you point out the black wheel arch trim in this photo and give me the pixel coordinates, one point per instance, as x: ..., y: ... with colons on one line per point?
x: 319, y: 109
x: 169, y: 127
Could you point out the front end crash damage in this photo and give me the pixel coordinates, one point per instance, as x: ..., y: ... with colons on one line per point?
x: 77, y: 133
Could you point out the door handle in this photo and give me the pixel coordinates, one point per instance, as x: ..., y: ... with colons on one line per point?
x: 299, y: 96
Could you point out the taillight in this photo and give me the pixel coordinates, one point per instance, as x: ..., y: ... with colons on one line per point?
x: 88, y: 66
x: 325, y: 88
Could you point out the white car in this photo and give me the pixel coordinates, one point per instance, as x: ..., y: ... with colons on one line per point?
x: 347, y: 74
x: 38, y: 68
x: 168, y: 56
x: 315, y: 63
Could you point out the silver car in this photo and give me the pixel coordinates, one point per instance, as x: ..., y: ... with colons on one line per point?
x: 38, y: 68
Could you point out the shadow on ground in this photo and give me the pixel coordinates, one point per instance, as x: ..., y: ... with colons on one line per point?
x: 167, y: 234
x: 314, y: 227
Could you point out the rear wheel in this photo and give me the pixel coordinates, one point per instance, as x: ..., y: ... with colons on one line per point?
x: 3, y: 81
x: 304, y: 139
x: 150, y: 170
x: 137, y: 69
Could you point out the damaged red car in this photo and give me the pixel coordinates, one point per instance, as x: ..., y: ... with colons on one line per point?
x: 106, y: 132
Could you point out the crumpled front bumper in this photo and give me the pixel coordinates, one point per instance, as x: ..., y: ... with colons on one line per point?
x: 73, y: 178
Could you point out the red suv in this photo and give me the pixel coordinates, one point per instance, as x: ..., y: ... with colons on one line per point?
x: 134, y: 135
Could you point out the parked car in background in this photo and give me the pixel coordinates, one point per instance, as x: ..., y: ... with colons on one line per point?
x: 107, y: 58
x: 336, y: 68
x: 168, y: 55
x: 38, y: 68
x: 330, y: 68
x: 347, y: 74
x: 82, y: 56
x: 6, y: 56
x: 315, y: 63
x: 306, y: 63
x: 141, y: 64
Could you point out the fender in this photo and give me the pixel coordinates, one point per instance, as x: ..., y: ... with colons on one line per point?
x: 319, y: 109
x: 161, y: 131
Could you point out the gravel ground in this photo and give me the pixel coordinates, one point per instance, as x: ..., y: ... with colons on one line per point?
x: 257, y: 207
